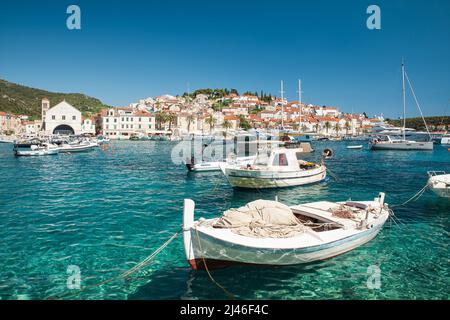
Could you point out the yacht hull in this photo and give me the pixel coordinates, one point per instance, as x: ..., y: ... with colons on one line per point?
x: 403, y: 146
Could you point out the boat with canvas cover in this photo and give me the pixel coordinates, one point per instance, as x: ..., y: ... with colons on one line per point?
x: 280, y: 167
x: 389, y: 143
x: 270, y: 233
x: 439, y: 183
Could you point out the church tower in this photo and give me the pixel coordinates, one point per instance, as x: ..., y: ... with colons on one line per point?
x: 45, y: 105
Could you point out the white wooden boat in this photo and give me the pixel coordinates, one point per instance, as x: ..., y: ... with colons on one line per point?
x: 34, y: 148
x: 270, y: 233
x: 282, y: 167
x: 388, y: 143
x: 439, y: 183
x: 355, y: 147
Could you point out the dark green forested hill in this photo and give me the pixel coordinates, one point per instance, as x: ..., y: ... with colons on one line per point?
x: 19, y: 99
x: 417, y: 123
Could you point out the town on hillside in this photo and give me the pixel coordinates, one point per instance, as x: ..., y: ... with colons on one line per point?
x: 198, y: 113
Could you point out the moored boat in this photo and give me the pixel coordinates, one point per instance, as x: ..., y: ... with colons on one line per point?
x: 281, y: 167
x: 271, y: 233
x: 34, y: 148
x: 439, y: 183
x: 355, y: 147
x: 402, y: 143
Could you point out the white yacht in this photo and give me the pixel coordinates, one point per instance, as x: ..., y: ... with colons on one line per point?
x: 399, y: 143
x: 281, y: 167
x: 389, y: 143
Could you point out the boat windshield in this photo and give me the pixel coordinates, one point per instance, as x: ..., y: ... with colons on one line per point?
x: 262, y: 158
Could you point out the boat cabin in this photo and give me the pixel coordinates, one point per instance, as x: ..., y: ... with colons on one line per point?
x: 283, y: 159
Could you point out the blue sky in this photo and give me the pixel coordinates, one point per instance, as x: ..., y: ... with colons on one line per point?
x: 127, y: 50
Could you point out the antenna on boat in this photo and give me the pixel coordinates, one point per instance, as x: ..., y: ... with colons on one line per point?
x: 300, y: 109
x: 282, y: 106
x: 404, y: 99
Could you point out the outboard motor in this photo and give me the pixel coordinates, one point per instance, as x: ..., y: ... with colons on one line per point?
x: 190, y: 163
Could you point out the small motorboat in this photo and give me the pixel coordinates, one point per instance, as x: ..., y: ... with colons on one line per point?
x: 355, y: 147
x: 280, y: 167
x: 77, y: 146
x: 215, y: 165
x: 439, y: 183
x: 270, y: 233
x: 35, y: 148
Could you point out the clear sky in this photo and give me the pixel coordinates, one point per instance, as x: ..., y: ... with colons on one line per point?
x: 127, y: 50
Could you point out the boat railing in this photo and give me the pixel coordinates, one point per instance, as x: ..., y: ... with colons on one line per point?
x: 435, y: 173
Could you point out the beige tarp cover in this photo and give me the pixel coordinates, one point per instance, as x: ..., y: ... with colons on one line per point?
x: 261, y: 218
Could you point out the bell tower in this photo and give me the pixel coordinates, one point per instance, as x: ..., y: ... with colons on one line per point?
x: 45, y: 105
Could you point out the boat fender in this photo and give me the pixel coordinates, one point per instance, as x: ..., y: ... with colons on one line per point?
x: 327, y: 153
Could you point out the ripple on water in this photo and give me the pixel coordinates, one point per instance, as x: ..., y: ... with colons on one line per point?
x: 106, y: 211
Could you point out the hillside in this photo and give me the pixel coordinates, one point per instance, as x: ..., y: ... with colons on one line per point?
x: 18, y: 99
x: 417, y: 123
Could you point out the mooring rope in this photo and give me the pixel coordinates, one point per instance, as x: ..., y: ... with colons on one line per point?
x: 232, y: 296
x: 125, y: 274
x: 415, y: 197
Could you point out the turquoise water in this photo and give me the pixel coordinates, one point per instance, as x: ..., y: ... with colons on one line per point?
x: 104, y: 211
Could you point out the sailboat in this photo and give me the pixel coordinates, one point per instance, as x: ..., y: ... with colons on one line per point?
x: 393, y: 143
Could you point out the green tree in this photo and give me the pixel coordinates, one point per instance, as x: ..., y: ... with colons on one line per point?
x: 327, y: 126
x: 226, y: 125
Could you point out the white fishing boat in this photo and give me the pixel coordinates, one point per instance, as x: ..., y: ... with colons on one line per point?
x: 271, y: 233
x: 389, y: 143
x: 35, y: 148
x: 355, y: 147
x: 439, y: 183
x: 280, y: 167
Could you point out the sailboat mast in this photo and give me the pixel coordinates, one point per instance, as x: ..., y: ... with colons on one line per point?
x: 404, y: 99
x: 300, y: 110
x: 282, y: 105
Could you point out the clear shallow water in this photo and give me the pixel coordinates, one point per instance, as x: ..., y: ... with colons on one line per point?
x: 104, y: 211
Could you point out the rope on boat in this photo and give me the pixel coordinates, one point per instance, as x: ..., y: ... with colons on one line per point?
x: 125, y: 274
x: 415, y: 197
x: 333, y: 175
x: 232, y: 296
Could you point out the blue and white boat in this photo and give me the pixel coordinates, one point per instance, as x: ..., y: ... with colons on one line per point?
x: 271, y: 233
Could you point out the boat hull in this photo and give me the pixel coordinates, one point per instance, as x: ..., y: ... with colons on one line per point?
x: 222, y: 253
x: 77, y: 148
x: 257, y: 180
x: 33, y: 153
x: 403, y: 146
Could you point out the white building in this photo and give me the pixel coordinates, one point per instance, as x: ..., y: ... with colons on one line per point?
x: 62, y: 118
x: 124, y: 123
